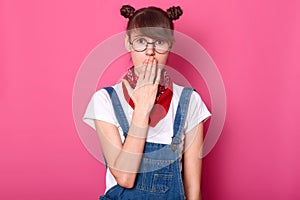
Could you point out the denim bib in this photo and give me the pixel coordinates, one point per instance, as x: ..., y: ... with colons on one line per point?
x: 159, y: 175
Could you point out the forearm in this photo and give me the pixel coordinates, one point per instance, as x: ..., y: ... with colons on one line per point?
x: 193, y: 163
x: 123, y: 159
x: 192, y: 192
x: 192, y: 183
x: 132, y: 149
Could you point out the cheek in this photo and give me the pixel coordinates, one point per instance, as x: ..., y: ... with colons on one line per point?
x: 162, y: 59
x: 137, y: 59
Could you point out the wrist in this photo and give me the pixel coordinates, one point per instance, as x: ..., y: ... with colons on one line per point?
x: 137, y: 131
x: 141, y: 111
x: 140, y: 117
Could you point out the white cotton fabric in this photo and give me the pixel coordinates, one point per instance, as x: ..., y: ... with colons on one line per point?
x: 100, y: 107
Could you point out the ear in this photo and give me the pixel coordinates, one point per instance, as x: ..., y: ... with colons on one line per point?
x: 127, y: 43
x: 172, y: 44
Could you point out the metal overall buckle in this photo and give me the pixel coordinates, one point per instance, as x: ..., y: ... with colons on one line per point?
x: 175, y: 141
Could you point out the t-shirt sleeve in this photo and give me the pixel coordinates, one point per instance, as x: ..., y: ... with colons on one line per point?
x: 100, y: 108
x: 197, y: 112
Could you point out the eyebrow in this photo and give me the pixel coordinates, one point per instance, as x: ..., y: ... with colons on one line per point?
x: 140, y: 36
x: 145, y: 37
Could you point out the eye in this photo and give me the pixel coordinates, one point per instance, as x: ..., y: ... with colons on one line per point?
x: 141, y: 41
x: 160, y: 42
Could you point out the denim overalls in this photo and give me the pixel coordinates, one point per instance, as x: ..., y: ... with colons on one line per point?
x: 159, y: 175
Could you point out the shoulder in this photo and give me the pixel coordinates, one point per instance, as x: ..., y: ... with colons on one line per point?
x: 177, y: 90
x: 100, y: 107
x: 102, y: 93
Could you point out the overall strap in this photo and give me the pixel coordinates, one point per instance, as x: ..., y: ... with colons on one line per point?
x: 119, y: 112
x: 181, y: 115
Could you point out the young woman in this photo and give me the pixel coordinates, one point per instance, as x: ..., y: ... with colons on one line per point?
x: 145, y: 122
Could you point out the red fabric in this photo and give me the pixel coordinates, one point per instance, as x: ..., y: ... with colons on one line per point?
x: 163, y: 97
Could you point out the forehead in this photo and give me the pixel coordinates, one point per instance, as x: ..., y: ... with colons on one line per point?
x: 136, y: 36
x: 151, y: 33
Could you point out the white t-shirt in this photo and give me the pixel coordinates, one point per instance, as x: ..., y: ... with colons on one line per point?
x: 100, y: 107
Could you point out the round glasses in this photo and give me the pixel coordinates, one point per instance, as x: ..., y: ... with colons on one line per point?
x: 141, y: 44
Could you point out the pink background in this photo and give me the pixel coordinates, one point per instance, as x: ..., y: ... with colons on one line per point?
x: 253, y: 43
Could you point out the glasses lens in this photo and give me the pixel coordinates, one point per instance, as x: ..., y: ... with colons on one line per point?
x: 161, y: 46
x: 139, y: 44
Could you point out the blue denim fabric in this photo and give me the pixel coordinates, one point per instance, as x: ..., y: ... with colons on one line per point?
x: 159, y: 175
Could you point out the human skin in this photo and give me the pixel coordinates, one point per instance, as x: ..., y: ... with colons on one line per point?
x: 139, y: 58
x: 124, y: 159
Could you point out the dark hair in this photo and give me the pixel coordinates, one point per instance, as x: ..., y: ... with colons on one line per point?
x: 151, y: 21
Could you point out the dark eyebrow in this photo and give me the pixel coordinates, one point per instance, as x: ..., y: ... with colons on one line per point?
x: 145, y: 37
x: 139, y: 36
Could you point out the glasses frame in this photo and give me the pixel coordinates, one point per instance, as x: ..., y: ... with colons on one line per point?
x: 153, y: 43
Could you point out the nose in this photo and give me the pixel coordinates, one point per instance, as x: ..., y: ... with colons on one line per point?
x: 150, y: 50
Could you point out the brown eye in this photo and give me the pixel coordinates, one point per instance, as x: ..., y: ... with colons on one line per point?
x: 160, y: 42
x: 141, y: 41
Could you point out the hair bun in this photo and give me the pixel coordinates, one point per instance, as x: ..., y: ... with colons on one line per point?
x: 174, y: 12
x: 127, y: 11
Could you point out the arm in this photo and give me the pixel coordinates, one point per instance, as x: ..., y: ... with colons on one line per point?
x: 193, y: 163
x: 124, y: 159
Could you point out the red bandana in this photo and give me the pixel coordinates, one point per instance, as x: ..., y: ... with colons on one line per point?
x: 163, y: 97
